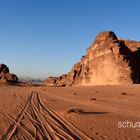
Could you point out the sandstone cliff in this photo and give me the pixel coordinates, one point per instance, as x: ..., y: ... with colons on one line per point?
x: 6, y: 76
x: 108, y: 61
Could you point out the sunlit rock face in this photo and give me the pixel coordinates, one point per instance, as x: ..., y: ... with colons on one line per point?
x: 6, y: 76
x: 108, y: 61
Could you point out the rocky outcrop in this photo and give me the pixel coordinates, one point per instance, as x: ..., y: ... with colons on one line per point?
x: 109, y: 61
x: 6, y: 76
x: 56, y: 81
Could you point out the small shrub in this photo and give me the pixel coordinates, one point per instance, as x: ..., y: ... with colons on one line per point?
x: 123, y: 93
x: 75, y: 110
x: 92, y: 99
x: 74, y: 93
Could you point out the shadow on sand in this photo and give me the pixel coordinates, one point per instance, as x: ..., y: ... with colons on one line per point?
x: 94, y: 113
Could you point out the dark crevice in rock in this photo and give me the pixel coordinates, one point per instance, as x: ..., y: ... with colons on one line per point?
x: 133, y: 59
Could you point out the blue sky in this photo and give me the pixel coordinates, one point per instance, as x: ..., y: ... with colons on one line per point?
x: 39, y: 38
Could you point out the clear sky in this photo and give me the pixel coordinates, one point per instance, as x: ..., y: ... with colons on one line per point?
x: 39, y: 38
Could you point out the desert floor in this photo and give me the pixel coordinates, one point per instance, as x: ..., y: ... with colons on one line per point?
x: 34, y: 112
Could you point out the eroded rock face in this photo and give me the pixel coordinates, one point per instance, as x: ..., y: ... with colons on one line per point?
x: 109, y: 61
x: 56, y: 81
x: 3, y: 69
x: 6, y: 76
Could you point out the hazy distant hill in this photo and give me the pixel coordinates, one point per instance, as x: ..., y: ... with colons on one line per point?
x: 30, y: 80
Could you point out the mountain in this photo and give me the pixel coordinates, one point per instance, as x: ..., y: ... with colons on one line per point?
x: 6, y: 76
x: 30, y: 80
x: 108, y: 61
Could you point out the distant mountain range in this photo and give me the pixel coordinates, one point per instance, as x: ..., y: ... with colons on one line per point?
x: 25, y: 79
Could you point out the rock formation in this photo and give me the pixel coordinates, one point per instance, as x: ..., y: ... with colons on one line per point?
x: 6, y: 76
x: 109, y: 61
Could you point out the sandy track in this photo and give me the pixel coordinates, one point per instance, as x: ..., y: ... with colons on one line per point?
x: 36, y: 121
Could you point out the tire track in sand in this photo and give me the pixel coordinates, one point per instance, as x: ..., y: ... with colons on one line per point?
x: 45, y: 123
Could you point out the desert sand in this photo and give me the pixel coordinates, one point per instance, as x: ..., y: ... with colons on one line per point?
x: 39, y: 112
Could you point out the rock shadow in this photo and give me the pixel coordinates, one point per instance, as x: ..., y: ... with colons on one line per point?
x: 133, y: 59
